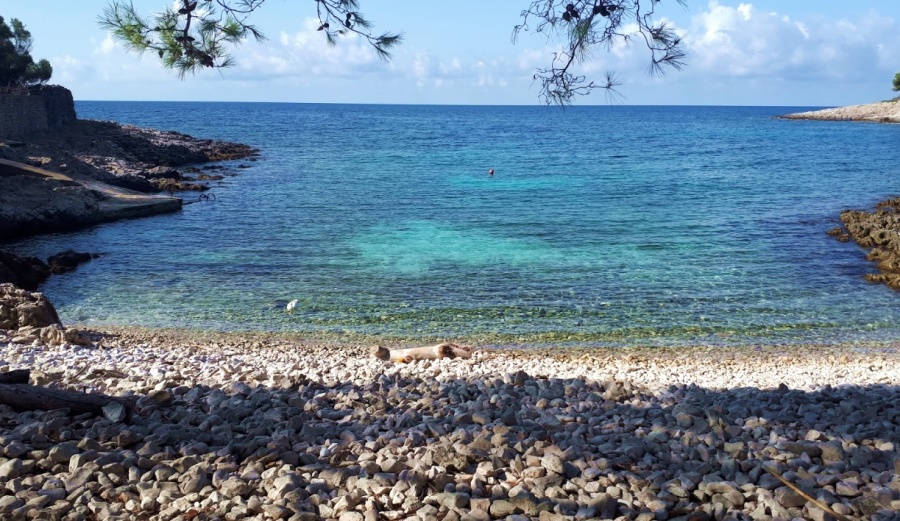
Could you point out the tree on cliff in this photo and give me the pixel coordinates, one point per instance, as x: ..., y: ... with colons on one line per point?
x: 897, y: 81
x: 195, y: 34
x: 17, y: 67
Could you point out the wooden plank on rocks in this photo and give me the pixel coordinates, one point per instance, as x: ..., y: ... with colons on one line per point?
x: 29, y: 398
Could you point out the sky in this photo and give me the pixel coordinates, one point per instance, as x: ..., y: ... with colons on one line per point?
x: 764, y: 52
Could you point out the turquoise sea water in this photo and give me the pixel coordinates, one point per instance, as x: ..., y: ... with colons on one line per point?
x: 602, y: 226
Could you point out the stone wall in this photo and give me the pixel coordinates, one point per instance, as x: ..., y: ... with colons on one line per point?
x: 23, y: 111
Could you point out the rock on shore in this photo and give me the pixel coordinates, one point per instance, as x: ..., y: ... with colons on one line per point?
x: 879, y: 233
x: 880, y: 112
x: 65, y: 194
x: 258, y: 426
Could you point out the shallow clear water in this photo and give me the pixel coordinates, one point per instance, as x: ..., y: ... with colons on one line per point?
x: 602, y: 225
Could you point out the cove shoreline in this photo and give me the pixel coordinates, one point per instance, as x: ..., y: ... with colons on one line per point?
x: 262, y: 426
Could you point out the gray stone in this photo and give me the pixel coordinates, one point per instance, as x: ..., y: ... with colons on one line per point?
x: 842, y: 509
x: 79, y: 478
x: 774, y: 506
x: 867, y: 505
x: 63, y: 452
x: 277, y: 511
x: 501, y: 508
x: 38, y: 501
x: 12, y: 469
x: 450, y: 500
x: 553, y: 463
x: 233, y: 487
x: 846, y: 489
x: 9, y: 503
x: 392, y: 465
x: 550, y: 516
x: 448, y: 458
x: 194, y: 484
x: 475, y: 515
x: 799, y: 448
x: 56, y: 494
x: 530, y: 505
x: 184, y: 464
x: 817, y: 514
x: 788, y: 498
x: 76, y: 461
x: 832, y: 452
x: 284, y: 484
x: 481, y: 417
x: 16, y: 448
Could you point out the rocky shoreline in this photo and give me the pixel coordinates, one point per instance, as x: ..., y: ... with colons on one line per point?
x: 264, y: 426
x: 98, y: 163
x: 878, y: 232
x: 879, y: 112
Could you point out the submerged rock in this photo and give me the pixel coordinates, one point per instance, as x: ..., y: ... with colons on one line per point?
x: 66, y: 261
x: 25, y: 272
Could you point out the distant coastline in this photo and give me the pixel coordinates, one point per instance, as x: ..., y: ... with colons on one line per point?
x: 878, y: 112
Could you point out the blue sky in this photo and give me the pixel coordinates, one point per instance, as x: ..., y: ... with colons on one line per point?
x: 763, y: 52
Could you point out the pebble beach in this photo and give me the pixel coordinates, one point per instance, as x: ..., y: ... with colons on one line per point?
x: 263, y: 426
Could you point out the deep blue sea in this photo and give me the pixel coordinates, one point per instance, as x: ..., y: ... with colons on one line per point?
x: 609, y: 225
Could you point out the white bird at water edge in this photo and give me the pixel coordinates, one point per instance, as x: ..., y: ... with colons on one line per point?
x: 291, y: 305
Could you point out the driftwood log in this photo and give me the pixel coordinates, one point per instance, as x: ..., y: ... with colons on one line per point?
x: 437, y: 351
x: 18, y: 376
x: 16, y: 393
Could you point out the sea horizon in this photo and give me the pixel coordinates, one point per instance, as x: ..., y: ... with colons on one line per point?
x: 574, y: 106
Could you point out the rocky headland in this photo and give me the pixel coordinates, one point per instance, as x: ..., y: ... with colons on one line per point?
x: 879, y: 112
x: 88, y: 172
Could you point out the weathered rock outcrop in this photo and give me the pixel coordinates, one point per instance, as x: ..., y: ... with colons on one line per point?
x: 24, y: 272
x: 30, y: 205
x: 31, y: 317
x: 121, y: 155
x: 878, y: 231
x: 61, y: 179
x: 20, y: 308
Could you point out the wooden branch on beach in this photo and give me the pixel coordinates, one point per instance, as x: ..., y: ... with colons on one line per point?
x: 435, y: 352
x: 804, y: 495
x: 26, y: 397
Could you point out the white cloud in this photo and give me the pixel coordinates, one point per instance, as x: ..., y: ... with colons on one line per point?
x: 305, y: 53
x: 743, y: 42
x: 107, y: 46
